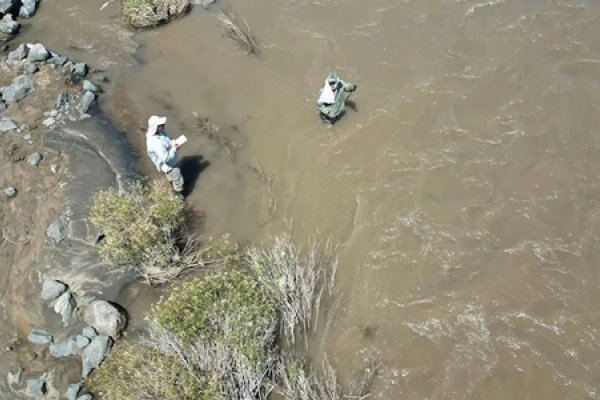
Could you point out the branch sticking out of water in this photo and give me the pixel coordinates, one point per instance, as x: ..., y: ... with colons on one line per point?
x: 238, y: 30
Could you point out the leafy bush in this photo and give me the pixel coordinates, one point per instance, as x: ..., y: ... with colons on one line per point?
x: 138, y: 372
x: 228, y: 307
x: 149, y: 13
x: 139, y: 223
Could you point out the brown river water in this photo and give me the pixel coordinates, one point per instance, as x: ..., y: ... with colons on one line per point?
x: 464, y: 190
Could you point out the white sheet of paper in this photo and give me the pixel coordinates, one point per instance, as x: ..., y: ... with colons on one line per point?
x: 180, y: 140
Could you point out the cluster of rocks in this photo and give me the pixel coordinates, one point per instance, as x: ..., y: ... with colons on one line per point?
x: 11, y: 9
x: 104, y: 323
x: 28, y: 58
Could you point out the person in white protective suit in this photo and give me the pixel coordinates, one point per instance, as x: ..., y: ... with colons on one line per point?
x: 163, y: 151
x: 333, y: 97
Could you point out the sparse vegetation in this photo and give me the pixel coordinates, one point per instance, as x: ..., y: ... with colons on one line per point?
x: 149, y: 13
x: 238, y: 30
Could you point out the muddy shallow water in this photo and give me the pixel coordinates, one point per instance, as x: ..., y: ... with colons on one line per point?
x: 464, y: 189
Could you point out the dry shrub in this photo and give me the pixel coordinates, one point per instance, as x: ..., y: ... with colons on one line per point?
x: 150, y: 13
x: 238, y: 30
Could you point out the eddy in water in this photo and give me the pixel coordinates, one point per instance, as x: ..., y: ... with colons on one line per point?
x: 333, y: 97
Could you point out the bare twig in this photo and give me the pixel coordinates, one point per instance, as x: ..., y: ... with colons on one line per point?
x: 238, y: 31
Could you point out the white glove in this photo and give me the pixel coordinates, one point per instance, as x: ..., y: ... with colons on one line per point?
x: 165, y: 168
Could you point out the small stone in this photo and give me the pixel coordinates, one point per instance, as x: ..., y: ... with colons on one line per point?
x: 105, y: 318
x: 53, y: 113
x: 57, y: 60
x: 19, y: 53
x: 80, y: 70
x: 48, y: 121
x: 10, y: 192
x: 89, y: 332
x: 37, y: 53
x: 6, y: 125
x: 52, y: 289
x: 86, y: 101
x: 32, y: 68
x: 2, y: 106
x: 53, y: 168
x: 15, y: 378
x: 8, y: 25
x: 57, y: 230
x: 82, y: 341
x: 65, y: 307
x: 36, y: 387
x: 34, y: 159
x: 73, y: 391
x: 66, y: 348
x: 39, y: 336
x: 27, y: 137
x: 27, y: 9
x: 17, y: 90
x: 94, y: 354
x: 62, y: 99
x: 67, y: 68
x: 86, y: 396
x: 89, y: 86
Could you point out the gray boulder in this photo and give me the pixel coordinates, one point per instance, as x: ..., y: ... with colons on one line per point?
x: 65, y: 307
x: 34, y: 159
x: 89, y: 332
x: 38, y: 53
x: 36, y: 387
x: 8, y: 25
x: 27, y: 9
x: 51, y: 289
x: 57, y: 230
x: 73, y: 391
x: 94, y: 354
x: 7, y: 125
x: 19, y: 53
x: 17, y: 90
x: 86, y: 396
x: 57, y: 60
x: 39, y: 336
x: 65, y: 348
x: 10, y: 192
x: 89, y: 86
x: 82, y: 341
x: 80, y: 70
x: 86, y: 101
x: 8, y: 6
x: 105, y: 317
x: 62, y: 99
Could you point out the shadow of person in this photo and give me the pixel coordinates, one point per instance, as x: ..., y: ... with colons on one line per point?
x: 191, y: 167
x: 352, y: 105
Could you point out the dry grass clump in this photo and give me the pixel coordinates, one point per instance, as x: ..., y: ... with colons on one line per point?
x: 150, y: 13
x: 238, y: 30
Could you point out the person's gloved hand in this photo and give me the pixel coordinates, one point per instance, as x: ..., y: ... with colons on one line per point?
x: 165, y: 168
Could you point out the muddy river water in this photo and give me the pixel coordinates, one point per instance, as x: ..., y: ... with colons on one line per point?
x: 464, y: 190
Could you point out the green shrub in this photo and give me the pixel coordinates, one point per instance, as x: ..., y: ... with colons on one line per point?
x: 137, y: 372
x: 138, y: 222
x: 229, y: 307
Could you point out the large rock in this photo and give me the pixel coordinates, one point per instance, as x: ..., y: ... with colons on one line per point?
x: 39, y: 336
x: 82, y: 341
x: 36, y: 387
x: 89, y: 332
x: 58, y: 229
x: 9, y: 6
x: 148, y: 14
x: 51, y: 289
x: 86, y: 396
x: 86, y: 101
x: 65, y: 307
x: 38, y: 53
x: 65, y: 348
x: 17, y: 90
x: 94, y: 354
x: 8, y: 25
x: 34, y: 159
x: 19, y: 53
x: 73, y: 391
x: 27, y: 9
x: 89, y: 86
x: 7, y: 125
x: 105, y: 317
